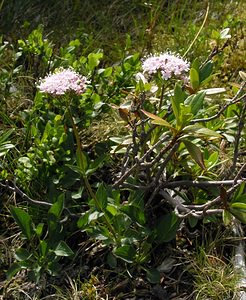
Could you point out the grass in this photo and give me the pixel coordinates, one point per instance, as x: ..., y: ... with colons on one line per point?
x: 211, y: 265
x: 153, y: 25
x: 214, y: 278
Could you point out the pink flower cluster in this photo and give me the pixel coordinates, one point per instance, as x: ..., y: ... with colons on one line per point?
x: 168, y: 64
x: 63, y: 81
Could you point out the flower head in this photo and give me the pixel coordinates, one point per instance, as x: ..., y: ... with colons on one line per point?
x: 63, y: 81
x: 168, y: 64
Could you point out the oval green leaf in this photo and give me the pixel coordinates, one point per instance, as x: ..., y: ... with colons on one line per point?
x: 23, y: 220
x: 195, y: 153
x: 157, y: 120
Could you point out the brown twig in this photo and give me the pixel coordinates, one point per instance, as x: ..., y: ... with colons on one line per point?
x: 139, y: 161
x: 198, y: 211
x: 234, y: 100
x: 15, y: 189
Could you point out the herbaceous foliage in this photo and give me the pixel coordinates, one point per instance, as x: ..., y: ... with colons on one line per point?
x: 170, y: 151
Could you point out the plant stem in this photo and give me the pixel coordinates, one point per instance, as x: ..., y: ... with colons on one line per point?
x: 162, y: 95
x: 84, y: 177
x: 80, y: 154
x: 199, y: 31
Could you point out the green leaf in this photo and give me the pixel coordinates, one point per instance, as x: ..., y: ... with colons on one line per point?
x: 54, y: 268
x: 57, y: 207
x: 97, y: 163
x: 214, y: 91
x: 83, y: 220
x: 82, y: 161
x: 126, y: 253
x: 94, y: 60
x: 192, y: 221
x: 195, y: 64
x: 167, y: 227
x: 111, y: 260
x: 184, y: 117
x: 207, y: 80
x: 117, y: 140
x: 14, y: 269
x: 194, y: 79
x: 100, y: 233
x: 95, y: 215
x: 241, y: 199
x: 196, y: 102
x: 78, y: 193
x: 206, y: 71
x: 239, y: 205
x: 4, y: 148
x: 179, y: 94
x: 39, y: 229
x: 23, y: 220
x: 5, y: 135
x: 108, y: 71
x: 63, y: 249
x: 176, y: 100
x: 75, y: 169
x: 238, y: 209
x: 22, y: 254
x: 195, y: 153
x: 198, y: 130
x: 102, y: 197
x: 112, y: 209
x: 153, y: 275
x: 135, y: 213
x: 176, y: 110
x: 227, y: 217
x: 136, y: 198
x: 54, y: 215
x: 240, y: 195
x: 43, y: 248
x: 157, y: 120
x: 215, y: 34
x: 35, y: 273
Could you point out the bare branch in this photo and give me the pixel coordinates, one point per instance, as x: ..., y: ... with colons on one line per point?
x: 188, y: 183
x: 198, y: 211
x: 140, y: 161
x: 201, y: 184
x: 16, y: 190
x: 234, y: 100
x: 23, y: 195
x: 198, y: 214
x: 239, y: 173
x: 211, y: 203
x: 174, y: 202
x: 156, y: 181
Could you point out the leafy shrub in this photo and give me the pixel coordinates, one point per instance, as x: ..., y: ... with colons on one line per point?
x: 129, y: 192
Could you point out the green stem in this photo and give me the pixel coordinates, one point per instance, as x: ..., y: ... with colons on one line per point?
x: 162, y: 95
x: 80, y: 154
x: 84, y: 178
x: 199, y: 31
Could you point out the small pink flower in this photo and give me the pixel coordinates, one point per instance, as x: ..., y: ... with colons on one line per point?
x: 63, y: 81
x: 168, y: 64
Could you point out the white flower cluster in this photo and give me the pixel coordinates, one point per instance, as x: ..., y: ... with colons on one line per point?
x: 63, y: 81
x: 168, y: 64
